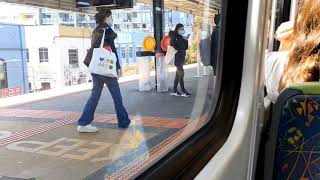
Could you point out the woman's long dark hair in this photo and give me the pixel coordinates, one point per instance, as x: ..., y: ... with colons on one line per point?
x: 178, y: 26
x: 304, y: 56
x: 102, y: 15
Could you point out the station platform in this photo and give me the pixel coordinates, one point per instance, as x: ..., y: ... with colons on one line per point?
x: 38, y: 140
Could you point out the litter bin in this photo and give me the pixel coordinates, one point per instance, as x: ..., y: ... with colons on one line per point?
x: 162, y: 74
x: 144, y: 58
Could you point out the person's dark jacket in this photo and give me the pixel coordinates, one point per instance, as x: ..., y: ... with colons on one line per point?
x: 97, y: 34
x: 214, y: 47
x: 181, y: 45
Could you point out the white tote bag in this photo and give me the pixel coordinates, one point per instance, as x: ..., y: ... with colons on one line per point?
x: 103, y: 62
x: 171, y: 52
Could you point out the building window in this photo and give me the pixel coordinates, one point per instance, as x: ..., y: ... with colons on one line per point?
x: 3, y: 74
x: 148, y: 17
x: 45, y: 86
x: 129, y: 17
x: 81, y: 20
x: 130, y: 52
x: 73, y: 57
x: 123, y: 52
x: 66, y: 19
x: 27, y: 54
x: 135, y: 15
x: 143, y: 17
x: 144, y: 26
x: 117, y: 27
x: 43, y: 55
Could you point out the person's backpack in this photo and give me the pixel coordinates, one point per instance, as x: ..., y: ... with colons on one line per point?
x: 205, y: 51
x: 214, y: 47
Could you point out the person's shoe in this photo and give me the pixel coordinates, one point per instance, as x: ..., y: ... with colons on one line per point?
x: 175, y: 94
x: 186, y: 94
x: 87, y: 129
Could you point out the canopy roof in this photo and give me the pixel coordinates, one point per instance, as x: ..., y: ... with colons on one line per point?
x: 201, y: 8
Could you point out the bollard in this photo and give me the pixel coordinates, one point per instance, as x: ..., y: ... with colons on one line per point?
x: 162, y: 74
x: 144, y: 58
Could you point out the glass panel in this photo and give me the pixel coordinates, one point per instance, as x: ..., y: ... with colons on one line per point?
x: 73, y: 58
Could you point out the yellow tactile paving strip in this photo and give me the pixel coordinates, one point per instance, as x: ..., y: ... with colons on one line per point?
x: 147, y: 121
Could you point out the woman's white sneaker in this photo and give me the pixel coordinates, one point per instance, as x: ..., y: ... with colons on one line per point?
x: 87, y: 129
x: 175, y: 94
x: 186, y: 94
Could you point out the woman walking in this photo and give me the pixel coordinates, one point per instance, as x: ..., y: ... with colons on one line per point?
x: 104, y: 21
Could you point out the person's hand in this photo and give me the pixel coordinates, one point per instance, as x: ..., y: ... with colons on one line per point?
x: 187, y: 37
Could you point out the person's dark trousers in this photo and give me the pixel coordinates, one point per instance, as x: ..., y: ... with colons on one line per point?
x: 113, y: 86
x: 179, y: 79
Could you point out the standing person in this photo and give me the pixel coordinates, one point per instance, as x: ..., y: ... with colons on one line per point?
x: 215, y: 43
x: 302, y: 64
x: 275, y: 61
x: 104, y: 22
x: 180, y: 43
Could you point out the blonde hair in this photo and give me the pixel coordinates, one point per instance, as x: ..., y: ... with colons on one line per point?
x: 304, y: 56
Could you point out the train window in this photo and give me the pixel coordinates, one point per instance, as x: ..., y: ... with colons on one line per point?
x: 153, y: 103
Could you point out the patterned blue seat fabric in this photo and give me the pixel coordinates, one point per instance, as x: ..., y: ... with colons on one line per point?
x: 297, y: 153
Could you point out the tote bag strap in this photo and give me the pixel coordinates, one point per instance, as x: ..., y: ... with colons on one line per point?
x: 102, y: 40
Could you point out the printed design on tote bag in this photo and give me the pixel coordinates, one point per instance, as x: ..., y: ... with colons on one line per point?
x: 103, y: 61
x: 106, y: 63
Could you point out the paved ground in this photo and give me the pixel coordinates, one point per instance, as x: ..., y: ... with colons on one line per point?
x: 38, y: 140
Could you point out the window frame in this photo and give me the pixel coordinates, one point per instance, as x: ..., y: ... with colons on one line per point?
x: 117, y: 27
x: 123, y: 52
x: 43, y: 55
x: 130, y: 52
x: 187, y: 159
x: 73, y: 62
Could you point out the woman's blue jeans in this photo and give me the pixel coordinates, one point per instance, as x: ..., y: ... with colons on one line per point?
x: 113, y: 86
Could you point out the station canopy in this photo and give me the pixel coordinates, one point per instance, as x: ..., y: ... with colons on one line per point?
x: 200, y: 8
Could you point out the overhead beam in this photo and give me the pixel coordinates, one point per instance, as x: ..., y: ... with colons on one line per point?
x: 194, y: 7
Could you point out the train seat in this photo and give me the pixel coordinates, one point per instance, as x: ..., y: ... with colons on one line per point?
x: 293, y: 147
